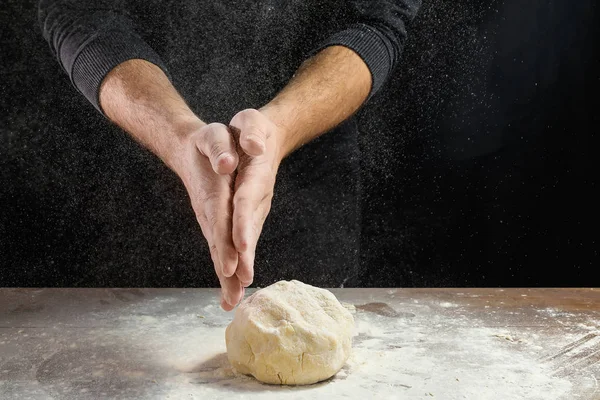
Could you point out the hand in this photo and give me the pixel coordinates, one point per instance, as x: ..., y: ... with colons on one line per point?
x: 259, y: 159
x: 205, y: 163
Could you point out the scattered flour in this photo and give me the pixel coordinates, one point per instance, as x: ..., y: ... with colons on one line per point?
x: 392, y: 358
x: 171, y: 353
x: 448, y: 305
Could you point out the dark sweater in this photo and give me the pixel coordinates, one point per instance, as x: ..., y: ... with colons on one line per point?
x: 91, y: 37
x: 226, y: 58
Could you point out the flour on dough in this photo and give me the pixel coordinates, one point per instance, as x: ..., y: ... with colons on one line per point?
x: 290, y: 333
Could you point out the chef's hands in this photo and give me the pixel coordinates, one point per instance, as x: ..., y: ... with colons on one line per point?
x: 206, y: 165
x: 259, y: 159
x: 229, y: 174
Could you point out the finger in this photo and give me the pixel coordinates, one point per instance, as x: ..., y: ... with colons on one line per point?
x: 251, y: 204
x: 254, y: 131
x: 226, y: 306
x: 216, y: 143
x: 231, y: 289
x: 244, y: 238
x: 245, y: 202
x: 245, y: 270
x: 218, y: 211
x: 213, y: 255
x: 214, y: 212
x: 244, y: 265
x: 249, y: 214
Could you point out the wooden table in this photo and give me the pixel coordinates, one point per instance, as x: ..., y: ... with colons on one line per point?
x: 409, y: 344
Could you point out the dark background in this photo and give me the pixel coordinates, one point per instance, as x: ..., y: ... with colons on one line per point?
x: 477, y: 162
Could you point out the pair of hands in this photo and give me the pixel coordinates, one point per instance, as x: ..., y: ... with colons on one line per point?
x: 229, y: 173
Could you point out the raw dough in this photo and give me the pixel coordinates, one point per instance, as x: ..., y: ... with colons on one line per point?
x: 290, y: 333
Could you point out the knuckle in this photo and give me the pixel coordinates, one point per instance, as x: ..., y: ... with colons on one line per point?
x: 263, y: 218
x: 205, y: 134
x: 215, y: 127
x: 252, y: 113
x: 248, y: 113
x: 266, y: 212
x: 256, y: 229
x: 214, y: 257
x: 210, y: 132
x: 267, y: 197
x: 212, y: 220
x: 216, y: 149
x: 239, y: 201
x: 255, y: 130
x: 244, y: 116
x: 200, y: 217
x: 207, y: 197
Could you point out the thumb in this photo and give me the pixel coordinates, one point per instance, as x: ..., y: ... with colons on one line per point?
x: 216, y: 143
x: 253, y: 128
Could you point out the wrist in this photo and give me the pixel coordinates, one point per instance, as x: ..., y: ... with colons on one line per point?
x: 181, y: 129
x: 283, y: 118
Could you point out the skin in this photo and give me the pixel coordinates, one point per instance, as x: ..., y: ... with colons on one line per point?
x: 229, y: 171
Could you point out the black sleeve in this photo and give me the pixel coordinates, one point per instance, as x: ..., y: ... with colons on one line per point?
x: 90, y: 38
x: 376, y: 31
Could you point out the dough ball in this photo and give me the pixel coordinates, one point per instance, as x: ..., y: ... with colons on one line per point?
x: 290, y: 333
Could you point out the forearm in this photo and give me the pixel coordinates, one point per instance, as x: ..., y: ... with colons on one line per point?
x: 326, y: 90
x: 139, y: 98
x: 90, y: 38
x: 354, y: 65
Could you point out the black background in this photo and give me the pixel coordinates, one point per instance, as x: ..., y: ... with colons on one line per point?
x: 477, y: 162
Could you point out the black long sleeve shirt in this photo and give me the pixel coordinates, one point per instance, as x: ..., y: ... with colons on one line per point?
x: 224, y: 56
x: 91, y: 37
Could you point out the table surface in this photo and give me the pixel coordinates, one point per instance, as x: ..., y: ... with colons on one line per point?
x: 409, y: 344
